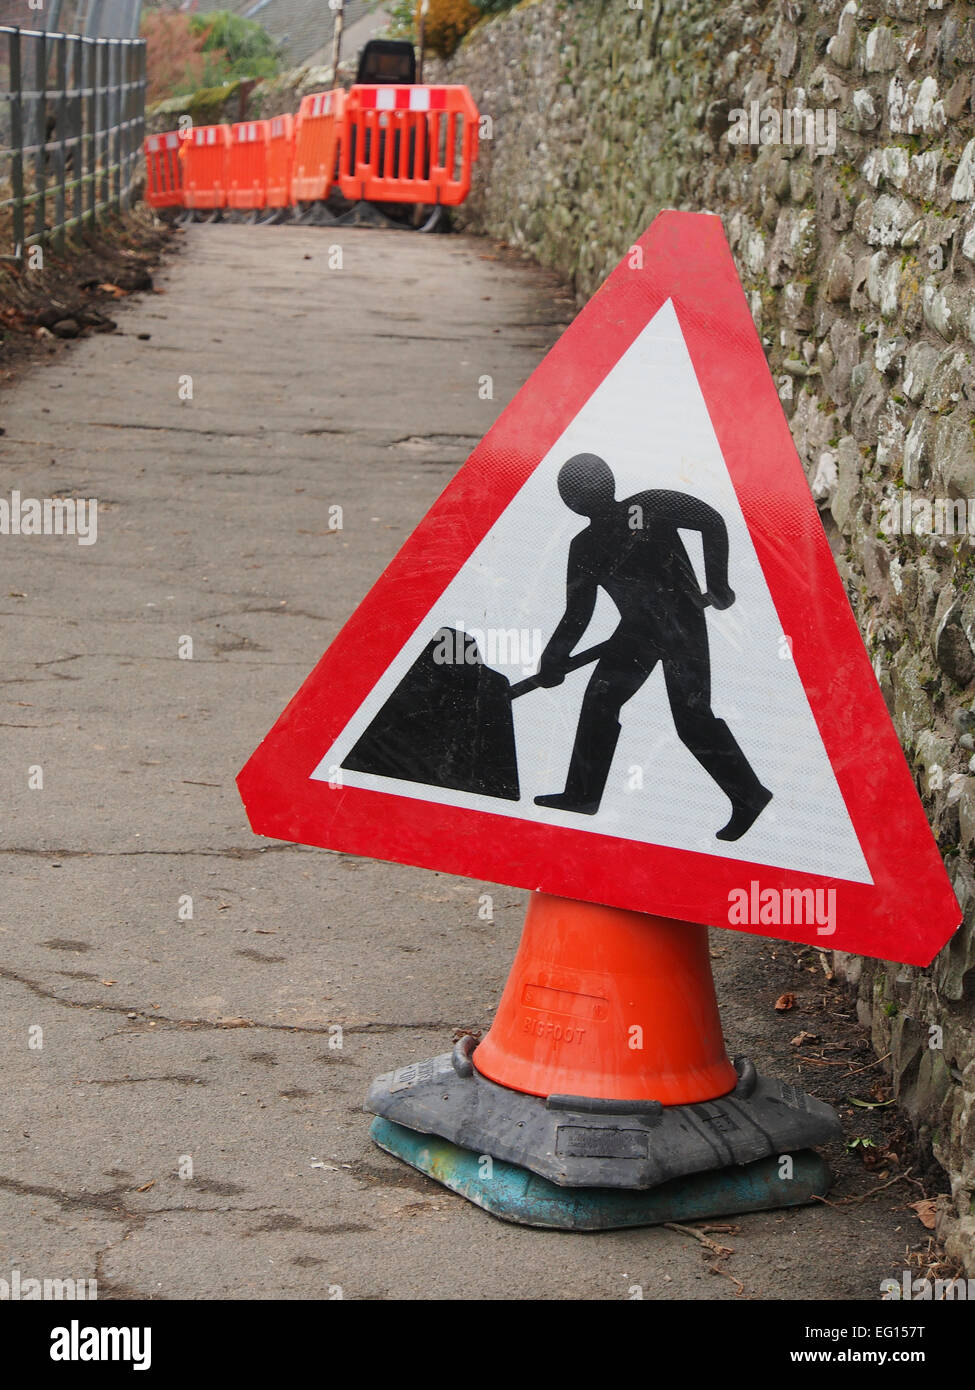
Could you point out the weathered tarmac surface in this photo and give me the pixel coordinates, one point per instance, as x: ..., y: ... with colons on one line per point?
x: 206, y: 1041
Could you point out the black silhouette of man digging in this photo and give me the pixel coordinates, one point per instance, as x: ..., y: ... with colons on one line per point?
x: 632, y: 550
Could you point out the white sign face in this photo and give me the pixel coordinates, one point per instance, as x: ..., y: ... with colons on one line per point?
x: 649, y: 422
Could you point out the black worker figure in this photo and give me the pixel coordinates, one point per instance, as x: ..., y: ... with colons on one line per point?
x: 632, y: 550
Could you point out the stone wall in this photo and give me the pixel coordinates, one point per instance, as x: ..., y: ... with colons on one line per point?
x: 858, y: 262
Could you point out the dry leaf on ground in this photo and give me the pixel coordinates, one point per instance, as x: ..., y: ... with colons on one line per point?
x: 926, y: 1212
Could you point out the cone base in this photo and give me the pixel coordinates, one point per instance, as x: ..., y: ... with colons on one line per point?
x: 577, y: 1141
x: 516, y: 1194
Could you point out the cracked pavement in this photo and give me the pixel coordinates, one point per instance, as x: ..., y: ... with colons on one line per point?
x: 189, y: 1128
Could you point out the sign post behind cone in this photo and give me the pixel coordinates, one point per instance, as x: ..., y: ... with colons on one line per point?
x: 655, y: 416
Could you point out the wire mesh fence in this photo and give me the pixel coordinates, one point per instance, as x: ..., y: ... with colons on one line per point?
x: 72, y: 118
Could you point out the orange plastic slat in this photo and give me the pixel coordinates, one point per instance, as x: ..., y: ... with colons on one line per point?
x: 205, y: 167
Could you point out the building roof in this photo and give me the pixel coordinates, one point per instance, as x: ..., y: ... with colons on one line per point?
x: 304, y: 28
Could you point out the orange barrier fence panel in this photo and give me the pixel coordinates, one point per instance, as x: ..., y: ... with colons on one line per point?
x: 247, y: 165
x: 408, y: 144
x: 205, y: 167
x: 164, y: 170
x: 316, y: 145
x: 280, y: 160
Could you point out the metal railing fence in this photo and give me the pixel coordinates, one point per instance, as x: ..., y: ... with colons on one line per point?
x: 72, y: 120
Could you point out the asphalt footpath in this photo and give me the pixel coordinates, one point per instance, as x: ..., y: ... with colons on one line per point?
x: 191, y: 1016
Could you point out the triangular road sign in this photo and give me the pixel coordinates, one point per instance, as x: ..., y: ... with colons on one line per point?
x: 693, y: 744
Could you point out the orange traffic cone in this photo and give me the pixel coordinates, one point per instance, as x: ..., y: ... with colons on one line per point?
x: 608, y: 1004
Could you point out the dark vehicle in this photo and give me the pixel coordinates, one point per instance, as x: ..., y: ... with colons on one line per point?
x: 385, y: 61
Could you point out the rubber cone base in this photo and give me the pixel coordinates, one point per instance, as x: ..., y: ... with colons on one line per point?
x: 516, y: 1194
x: 575, y: 1141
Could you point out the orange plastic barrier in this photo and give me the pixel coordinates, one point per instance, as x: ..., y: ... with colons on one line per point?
x: 205, y: 167
x: 247, y: 165
x: 280, y: 160
x: 316, y: 145
x: 403, y: 144
x: 164, y: 170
